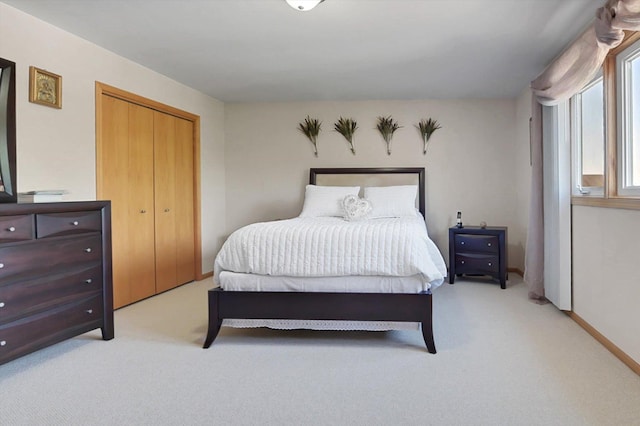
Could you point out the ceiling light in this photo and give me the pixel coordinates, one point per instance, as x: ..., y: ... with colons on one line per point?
x: 303, y: 5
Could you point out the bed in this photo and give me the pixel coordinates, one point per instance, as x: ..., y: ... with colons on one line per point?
x: 284, y: 285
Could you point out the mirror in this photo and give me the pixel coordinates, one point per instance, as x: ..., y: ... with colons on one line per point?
x: 8, y: 190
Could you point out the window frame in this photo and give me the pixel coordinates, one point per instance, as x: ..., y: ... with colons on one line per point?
x: 611, y: 197
x: 624, y: 110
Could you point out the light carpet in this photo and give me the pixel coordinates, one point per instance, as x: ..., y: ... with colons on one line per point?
x: 501, y: 360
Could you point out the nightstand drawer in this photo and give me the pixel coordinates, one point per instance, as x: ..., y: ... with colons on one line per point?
x: 477, y: 243
x: 477, y: 263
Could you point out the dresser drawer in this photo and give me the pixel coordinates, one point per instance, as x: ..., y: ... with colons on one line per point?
x: 55, y: 224
x: 477, y: 263
x: 27, y: 297
x: 48, y: 256
x: 477, y: 243
x: 31, y: 333
x: 16, y: 228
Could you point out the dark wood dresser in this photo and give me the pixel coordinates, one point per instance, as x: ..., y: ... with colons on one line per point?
x: 478, y: 251
x: 55, y: 274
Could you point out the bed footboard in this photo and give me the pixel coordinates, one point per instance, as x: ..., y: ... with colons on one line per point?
x: 320, y: 306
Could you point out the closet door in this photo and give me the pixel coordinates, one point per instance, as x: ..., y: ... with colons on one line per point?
x: 126, y: 178
x: 141, y: 222
x: 185, y: 256
x: 173, y: 153
x: 165, y: 200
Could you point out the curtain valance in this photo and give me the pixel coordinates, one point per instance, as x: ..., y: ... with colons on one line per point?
x: 577, y: 65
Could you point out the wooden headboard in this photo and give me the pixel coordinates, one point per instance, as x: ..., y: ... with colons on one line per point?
x: 376, y: 176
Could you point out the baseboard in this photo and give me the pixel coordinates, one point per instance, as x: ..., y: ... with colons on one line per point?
x: 203, y: 276
x: 611, y: 347
x: 516, y: 270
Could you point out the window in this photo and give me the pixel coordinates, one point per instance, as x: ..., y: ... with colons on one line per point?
x: 605, y: 132
x: 628, y: 120
x: 588, y: 143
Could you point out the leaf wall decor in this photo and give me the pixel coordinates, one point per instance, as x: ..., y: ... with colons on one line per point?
x: 310, y: 127
x: 387, y: 127
x: 426, y: 128
x: 347, y: 127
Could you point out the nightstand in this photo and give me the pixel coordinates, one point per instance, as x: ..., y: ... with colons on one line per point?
x: 478, y: 251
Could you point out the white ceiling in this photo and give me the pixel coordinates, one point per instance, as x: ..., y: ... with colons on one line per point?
x: 263, y: 50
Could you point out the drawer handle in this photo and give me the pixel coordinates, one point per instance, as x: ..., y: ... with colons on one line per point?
x: 88, y: 250
x: 3, y: 343
x: 88, y: 281
x: 462, y: 262
x: 1, y: 304
x: 1, y: 265
x: 489, y: 244
x: 75, y: 223
x: 89, y: 311
x: 489, y: 263
x: 167, y: 210
x: 461, y: 242
x: 143, y: 211
x: 11, y: 229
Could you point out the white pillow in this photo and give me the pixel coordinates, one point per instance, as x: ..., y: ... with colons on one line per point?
x: 321, y: 201
x: 392, y: 201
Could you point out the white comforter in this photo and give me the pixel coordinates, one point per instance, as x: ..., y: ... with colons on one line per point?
x: 330, y: 246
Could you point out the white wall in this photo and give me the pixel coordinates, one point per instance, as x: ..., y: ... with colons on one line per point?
x: 469, y: 167
x: 606, y: 290
x: 56, y: 148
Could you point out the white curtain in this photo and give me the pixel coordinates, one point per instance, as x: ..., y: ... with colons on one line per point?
x: 569, y: 73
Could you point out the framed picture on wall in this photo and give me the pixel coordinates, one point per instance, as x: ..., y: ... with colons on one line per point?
x: 45, y: 88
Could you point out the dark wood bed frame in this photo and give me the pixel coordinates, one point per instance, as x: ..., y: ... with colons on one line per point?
x: 328, y: 306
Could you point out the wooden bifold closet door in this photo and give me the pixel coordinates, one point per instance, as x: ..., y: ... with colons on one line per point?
x: 146, y: 168
x: 173, y: 160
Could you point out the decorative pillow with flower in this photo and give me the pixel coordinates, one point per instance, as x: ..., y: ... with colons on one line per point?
x: 355, y: 208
